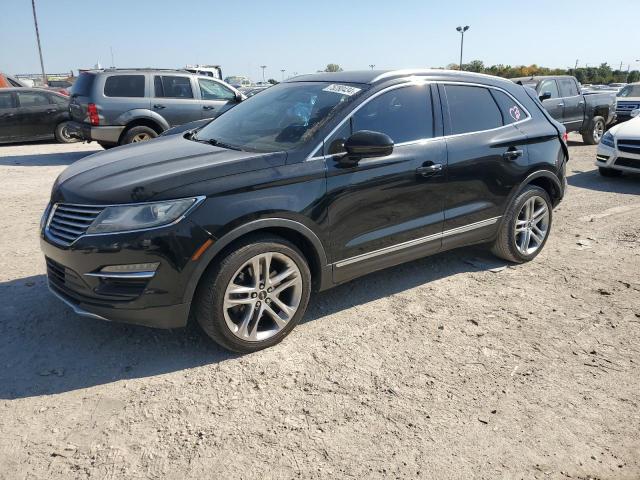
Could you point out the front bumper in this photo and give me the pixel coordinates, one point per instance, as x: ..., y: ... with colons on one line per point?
x: 102, y: 134
x: 160, y: 301
x: 609, y: 157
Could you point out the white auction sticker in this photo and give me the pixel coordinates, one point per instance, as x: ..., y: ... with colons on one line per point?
x: 342, y: 89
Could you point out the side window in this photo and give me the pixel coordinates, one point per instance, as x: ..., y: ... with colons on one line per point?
x: 472, y: 109
x: 549, y: 86
x: 405, y: 114
x: 124, y: 86
x: 168, y: 86
x: 510, y: 110
x: 32, y: 99
x: 58, y: 100
x: 210, y: 90
x: 6, y: 100
x: 568, y: 87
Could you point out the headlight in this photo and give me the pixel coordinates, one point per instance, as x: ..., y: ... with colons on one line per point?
x: 608, y: 140
x: 45, y: 216
x: 141, y: 216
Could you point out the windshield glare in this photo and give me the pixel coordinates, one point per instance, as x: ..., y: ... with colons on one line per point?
x: 281, y: 118
x: 630, y: 91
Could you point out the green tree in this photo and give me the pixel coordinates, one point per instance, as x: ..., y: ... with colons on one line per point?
x: 333, y: 67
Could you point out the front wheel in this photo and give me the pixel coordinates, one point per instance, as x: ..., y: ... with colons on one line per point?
x: 594, y: 132
x: 138, y: 134
x: 254, y: 296
x: 525, y: 226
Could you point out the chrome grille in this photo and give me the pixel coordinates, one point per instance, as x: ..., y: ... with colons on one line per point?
x: 626, y: 107
x: 629, y: 146
x: 68, y: 222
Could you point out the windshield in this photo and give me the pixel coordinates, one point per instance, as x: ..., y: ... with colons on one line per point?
x: 282, y: 117
x: 630, y: 91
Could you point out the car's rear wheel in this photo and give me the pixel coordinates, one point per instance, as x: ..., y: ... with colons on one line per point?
x: 255, y: 295
x: 609, y: 172
x: 525, y: 226
x: 594, y: 132
x: 62, y: 134
x: 138, y: 134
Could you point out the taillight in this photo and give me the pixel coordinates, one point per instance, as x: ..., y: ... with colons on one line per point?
x: 92, y: 110
x: 565, y: 137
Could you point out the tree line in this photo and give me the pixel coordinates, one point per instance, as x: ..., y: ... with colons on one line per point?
x: 603, y: 74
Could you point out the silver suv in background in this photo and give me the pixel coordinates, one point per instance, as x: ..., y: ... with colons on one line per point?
x: 120, y: 106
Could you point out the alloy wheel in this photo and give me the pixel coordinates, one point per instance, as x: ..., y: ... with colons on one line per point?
x: 262, y: 297
x: 532, y: 225
x: 140, y: 137
x: 598, y: 131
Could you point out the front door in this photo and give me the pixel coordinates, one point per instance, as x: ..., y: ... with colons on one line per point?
x: 175, y: 100
x: 487, y: 157
x: 554, y: 104
x: 8, y: 113
x: 387, y: 210
x: 215, y: 97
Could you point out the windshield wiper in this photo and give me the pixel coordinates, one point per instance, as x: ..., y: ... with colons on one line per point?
x: 218, y: 143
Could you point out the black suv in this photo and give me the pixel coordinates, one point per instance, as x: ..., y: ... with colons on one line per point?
x: 312, y: 183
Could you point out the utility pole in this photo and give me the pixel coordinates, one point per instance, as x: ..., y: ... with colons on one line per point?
x: 576, y: 67
x: 113, y: 64
x: 283, y: 70
x: 35, y: 21
x: 462, y: 30
x: 263, y: 67
x: 372, y: 66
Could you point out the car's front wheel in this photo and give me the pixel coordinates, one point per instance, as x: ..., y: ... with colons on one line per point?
x: 255, y: 295
x: 525, y: 226
x: 138, y: 134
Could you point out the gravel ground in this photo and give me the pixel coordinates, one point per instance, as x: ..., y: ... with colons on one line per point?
x: 455, y: 366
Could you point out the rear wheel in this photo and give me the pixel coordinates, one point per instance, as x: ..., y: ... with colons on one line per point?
x: 107, y: 146
x: 62, y: 134
x: 138, y: 134
x: 525, y: 226
x: 594, y: 132
x: 609, y: 172
x: 254, y: 296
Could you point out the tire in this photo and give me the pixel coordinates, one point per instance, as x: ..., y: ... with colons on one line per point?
x: 609, y: 172
x: 222, y: 313
x: 594, y: 133
x: 107, y: 146
x: 138, y: 134
x: 509, y: 241
x: 62, y: 135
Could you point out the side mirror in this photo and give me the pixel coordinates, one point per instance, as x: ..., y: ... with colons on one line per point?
x: 367, y: 144
x: 545, y: 96
x: 239, y: 97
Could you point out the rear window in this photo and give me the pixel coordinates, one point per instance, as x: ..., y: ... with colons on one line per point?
x: 472, y: 109
x: 568, y: 87
x: 82, y: 86
x: 6, y: 100
x: 124, y: 86
x: 168, y: 86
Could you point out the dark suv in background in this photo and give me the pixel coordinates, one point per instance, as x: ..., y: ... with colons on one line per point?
x: 311, y: 183
x: 120, y: 106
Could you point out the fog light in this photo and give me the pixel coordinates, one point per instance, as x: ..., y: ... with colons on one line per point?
x: 130, y: 268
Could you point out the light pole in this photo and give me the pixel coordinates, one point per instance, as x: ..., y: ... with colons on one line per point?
x: 35, y: 22
x: 263, y: 67
x: 372, y: 66
x: 462, y: 30
x: 283, y: 70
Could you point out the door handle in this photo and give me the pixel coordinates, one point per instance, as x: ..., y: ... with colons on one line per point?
x: 428, y: 170
x: 208, y: 107
x: 9, y: 115
x: 51, y: 110
x: 561, y: 104
x: 158, y: 106
x: 581, y: 103
x: 512, y: 154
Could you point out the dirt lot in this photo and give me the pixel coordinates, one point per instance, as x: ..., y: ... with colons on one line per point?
x: 450, y: 367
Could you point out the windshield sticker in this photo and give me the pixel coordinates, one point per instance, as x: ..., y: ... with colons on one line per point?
x: 515, y: 113
x: 341, y: 89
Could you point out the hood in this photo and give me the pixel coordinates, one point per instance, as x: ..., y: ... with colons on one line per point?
x: 143, y: 171
x: 629, y: 130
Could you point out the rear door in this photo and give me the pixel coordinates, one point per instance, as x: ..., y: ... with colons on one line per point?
x: 37, y: 114
x: 175, y: 99
x: 573, y: 112
x: 389, y: 209
x: 554, y: 105
x: 215, y: 97
x: 487, y: 156
x: 8, y: 120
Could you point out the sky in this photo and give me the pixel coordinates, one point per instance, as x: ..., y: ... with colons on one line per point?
x: 300, y: 36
